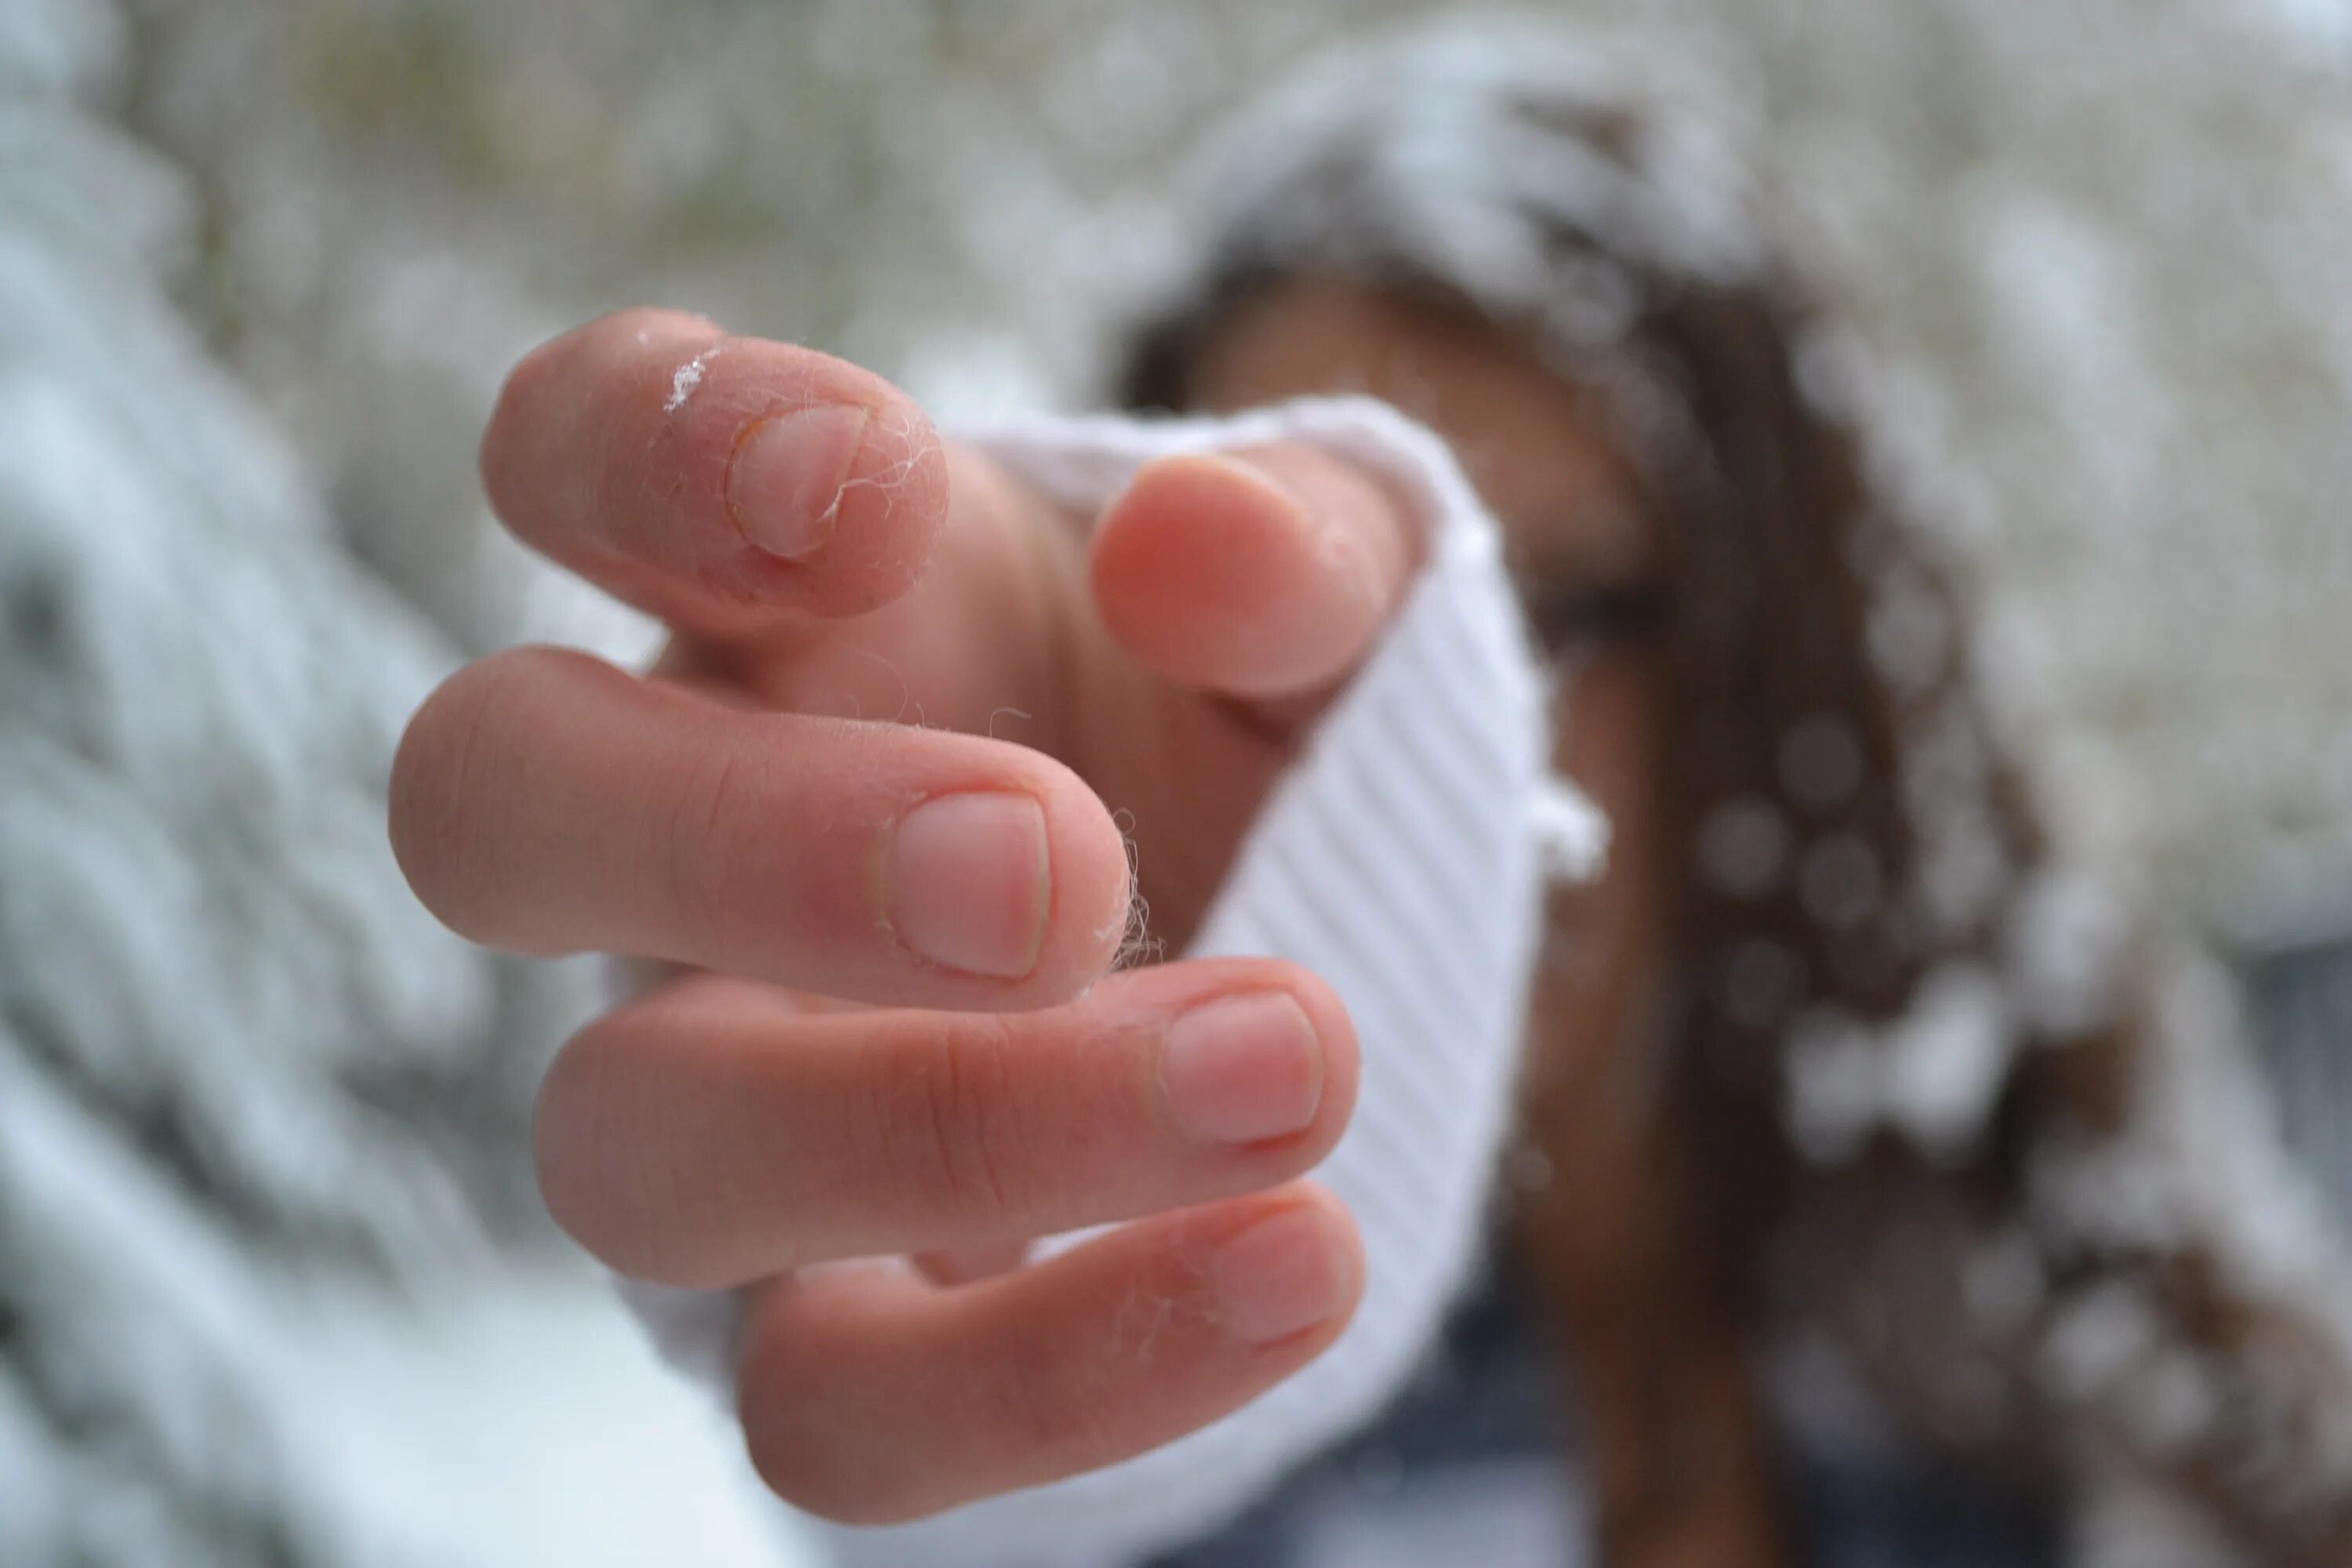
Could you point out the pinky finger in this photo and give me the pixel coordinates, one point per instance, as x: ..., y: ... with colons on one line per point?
x: 869, y: 1397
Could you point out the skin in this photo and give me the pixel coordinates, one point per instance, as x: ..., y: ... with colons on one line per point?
x: 818, y: 1084
x: 813, y: 1089
x: 1679, y: 1452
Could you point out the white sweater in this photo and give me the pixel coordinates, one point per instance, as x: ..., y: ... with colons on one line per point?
x: 1401, y: 859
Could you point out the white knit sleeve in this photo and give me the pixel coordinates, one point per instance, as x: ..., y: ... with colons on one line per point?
x: 1401, y: 859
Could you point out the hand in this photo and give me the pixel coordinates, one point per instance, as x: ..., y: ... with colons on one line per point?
x: 891, y: 1034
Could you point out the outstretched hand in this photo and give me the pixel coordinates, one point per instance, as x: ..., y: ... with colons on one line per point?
x: 860, y: 804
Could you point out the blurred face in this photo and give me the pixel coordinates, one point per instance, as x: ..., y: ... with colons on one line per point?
x: 1584, y: 556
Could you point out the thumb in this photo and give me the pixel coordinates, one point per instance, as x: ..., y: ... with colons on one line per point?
x: 1264, y: 574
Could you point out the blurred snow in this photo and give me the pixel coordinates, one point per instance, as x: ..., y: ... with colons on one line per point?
x: 517, y: 1420
x: 272, y: 1283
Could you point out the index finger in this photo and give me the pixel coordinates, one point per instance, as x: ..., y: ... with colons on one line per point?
x: 714, y: 480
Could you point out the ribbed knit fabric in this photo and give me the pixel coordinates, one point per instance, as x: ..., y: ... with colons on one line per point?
x: 1401, y: 859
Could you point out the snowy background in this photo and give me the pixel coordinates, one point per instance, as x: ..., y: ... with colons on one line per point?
x: 262, y: 265
x: 2112, y: 241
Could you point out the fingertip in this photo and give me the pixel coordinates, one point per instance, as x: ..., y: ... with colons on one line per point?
x: 568, y: 1138
x: 784, y: 1395
x: 546, y: 412
x: 445, y: 772
x: 1193, y: 988
x: 1093, y: 887
x: 869, y: 1399
x: 1189, y: 567
x: 818, y: 486
x: 888, y: 511
x: 1345, y: 1236
x: 1258, y: 574
x: 1288, y: 1279
x: 1342, y: 1058
x: 711, y: 479
x: 1002, y: 918
x: 1340, y: 1230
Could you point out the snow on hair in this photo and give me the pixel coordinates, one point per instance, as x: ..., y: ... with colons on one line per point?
x: 1964, y: 1037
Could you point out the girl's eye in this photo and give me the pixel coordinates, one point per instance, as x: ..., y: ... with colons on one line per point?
x: 1583, y: 615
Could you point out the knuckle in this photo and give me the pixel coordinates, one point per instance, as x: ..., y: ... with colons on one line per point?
x: 1052, y: 1405
x: 953, y: 1122
x: 725, y: 860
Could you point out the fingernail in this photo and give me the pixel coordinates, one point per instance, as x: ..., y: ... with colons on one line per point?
x: 784, y: 482
x: 1280, y: 1276
x: 970, y: 883
x: 1242, y: 1069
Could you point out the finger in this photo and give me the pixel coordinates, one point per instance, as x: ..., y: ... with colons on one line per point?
x: 1262, y: 573
x: 983, y: 633
x: 713, y: 480
x: 544, y: 802
x: 962, y: 1265
x: 868, y: 1397
x: 706, y: 1135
